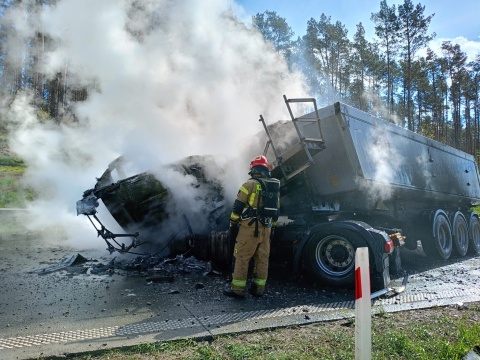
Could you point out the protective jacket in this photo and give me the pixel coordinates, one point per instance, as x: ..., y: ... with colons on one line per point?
x: 248, y: 201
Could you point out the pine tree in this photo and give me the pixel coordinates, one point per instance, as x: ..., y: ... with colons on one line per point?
x: 275, y: 29
x: 454, y: 62
x: 386, y: 29
x: 413, y: 27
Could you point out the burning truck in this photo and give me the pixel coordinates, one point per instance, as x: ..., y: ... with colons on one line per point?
x: 348, y: 180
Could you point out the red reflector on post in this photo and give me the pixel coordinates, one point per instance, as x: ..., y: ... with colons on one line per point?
x: 389, y: 247
x: 358, y: 284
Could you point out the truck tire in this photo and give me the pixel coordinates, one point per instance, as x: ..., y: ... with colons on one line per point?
x: 439, y: 244
x: 330, y: 257
x: 474, y: 234
x: 460, y: 233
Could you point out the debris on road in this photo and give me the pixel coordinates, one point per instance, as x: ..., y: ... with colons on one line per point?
x: 156, y: 267
x: 73, y: 260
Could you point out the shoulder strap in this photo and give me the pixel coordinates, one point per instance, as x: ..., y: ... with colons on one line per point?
x: 262, y: 185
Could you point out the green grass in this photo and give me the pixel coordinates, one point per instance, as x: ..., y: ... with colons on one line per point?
x: 11, y: 170
x: 11, y: 166
x: 12, y: 193
x: 11, y: 161
x: 429, y: 334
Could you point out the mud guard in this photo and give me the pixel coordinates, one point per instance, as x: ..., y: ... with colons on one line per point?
x: 374, y: 239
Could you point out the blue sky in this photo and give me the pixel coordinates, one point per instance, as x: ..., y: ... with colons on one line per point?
x: 458, y: 21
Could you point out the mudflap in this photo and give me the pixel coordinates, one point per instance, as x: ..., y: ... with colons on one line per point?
x: 381, y: 280
x: 395, y: 261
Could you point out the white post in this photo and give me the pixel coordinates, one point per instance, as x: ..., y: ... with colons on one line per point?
x: 363, y: 306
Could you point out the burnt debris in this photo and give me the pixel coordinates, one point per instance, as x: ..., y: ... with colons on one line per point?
x: 155, y: 268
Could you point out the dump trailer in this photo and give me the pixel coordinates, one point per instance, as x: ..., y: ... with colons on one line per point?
x: 352, y: 180
x: 348, y: 180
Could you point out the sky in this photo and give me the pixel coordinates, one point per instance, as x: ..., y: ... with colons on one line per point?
x: 454, y: 20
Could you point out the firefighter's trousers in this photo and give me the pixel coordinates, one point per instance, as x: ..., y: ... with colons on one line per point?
x: 247, y: 246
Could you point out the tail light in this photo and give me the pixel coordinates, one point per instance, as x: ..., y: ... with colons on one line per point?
x: 389, y: 246
x: 396, y: 239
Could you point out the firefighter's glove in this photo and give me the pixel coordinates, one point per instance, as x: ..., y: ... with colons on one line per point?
x: 233, y: 231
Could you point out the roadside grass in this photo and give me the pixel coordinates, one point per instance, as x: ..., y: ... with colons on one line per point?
x: 426, y: 334
x: 441, y: 336
x: 11, y: 161
x: 12, y: 193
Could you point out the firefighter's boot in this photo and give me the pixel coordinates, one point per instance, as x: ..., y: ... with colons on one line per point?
x: 227, y: 291
x: 256, y: 291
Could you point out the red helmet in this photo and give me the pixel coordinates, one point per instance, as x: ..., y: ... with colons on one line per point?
x: 259, y: 160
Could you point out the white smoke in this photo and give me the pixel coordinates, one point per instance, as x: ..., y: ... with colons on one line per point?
x: 166, y: 79
x: 384, y: 160
x: 379, y: 109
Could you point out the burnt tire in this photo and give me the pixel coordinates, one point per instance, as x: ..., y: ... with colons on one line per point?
x: 474, y: 234
x: 460, y: 234
x: 439, y: 244
x: 330, y: 257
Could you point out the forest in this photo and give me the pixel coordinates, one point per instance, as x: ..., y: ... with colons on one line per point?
x: 395, y: 76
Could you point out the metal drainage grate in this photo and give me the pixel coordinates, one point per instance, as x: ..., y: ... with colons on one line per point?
x: 44, y: 339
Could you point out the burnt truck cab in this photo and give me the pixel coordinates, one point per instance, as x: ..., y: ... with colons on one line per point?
x: 146, y: 210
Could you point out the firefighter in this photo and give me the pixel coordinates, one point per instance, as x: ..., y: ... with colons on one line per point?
x: 253, y: 230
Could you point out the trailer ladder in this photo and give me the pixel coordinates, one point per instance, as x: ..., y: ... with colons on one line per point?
x: 299, y: 157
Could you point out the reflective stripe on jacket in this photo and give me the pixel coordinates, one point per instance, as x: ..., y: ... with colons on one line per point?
x: 247, y: 197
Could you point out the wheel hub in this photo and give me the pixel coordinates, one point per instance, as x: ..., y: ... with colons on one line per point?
x: 339, y: 254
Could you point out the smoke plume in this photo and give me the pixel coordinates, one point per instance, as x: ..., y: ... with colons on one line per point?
x: 166, y: 79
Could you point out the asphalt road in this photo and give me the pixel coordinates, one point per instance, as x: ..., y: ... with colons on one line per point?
x: 73, y: 310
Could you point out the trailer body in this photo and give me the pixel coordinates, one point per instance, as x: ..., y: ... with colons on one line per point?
x: 371, y: 165
x: 349, y: 167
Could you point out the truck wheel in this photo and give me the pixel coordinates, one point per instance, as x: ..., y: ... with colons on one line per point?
x: 440, y: 245
x: 331, y: 257
x: 474, y: 234
x: 460, y: 233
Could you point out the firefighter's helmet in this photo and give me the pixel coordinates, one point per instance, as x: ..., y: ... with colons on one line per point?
x: 259, y: 160
x: 260, y: 165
